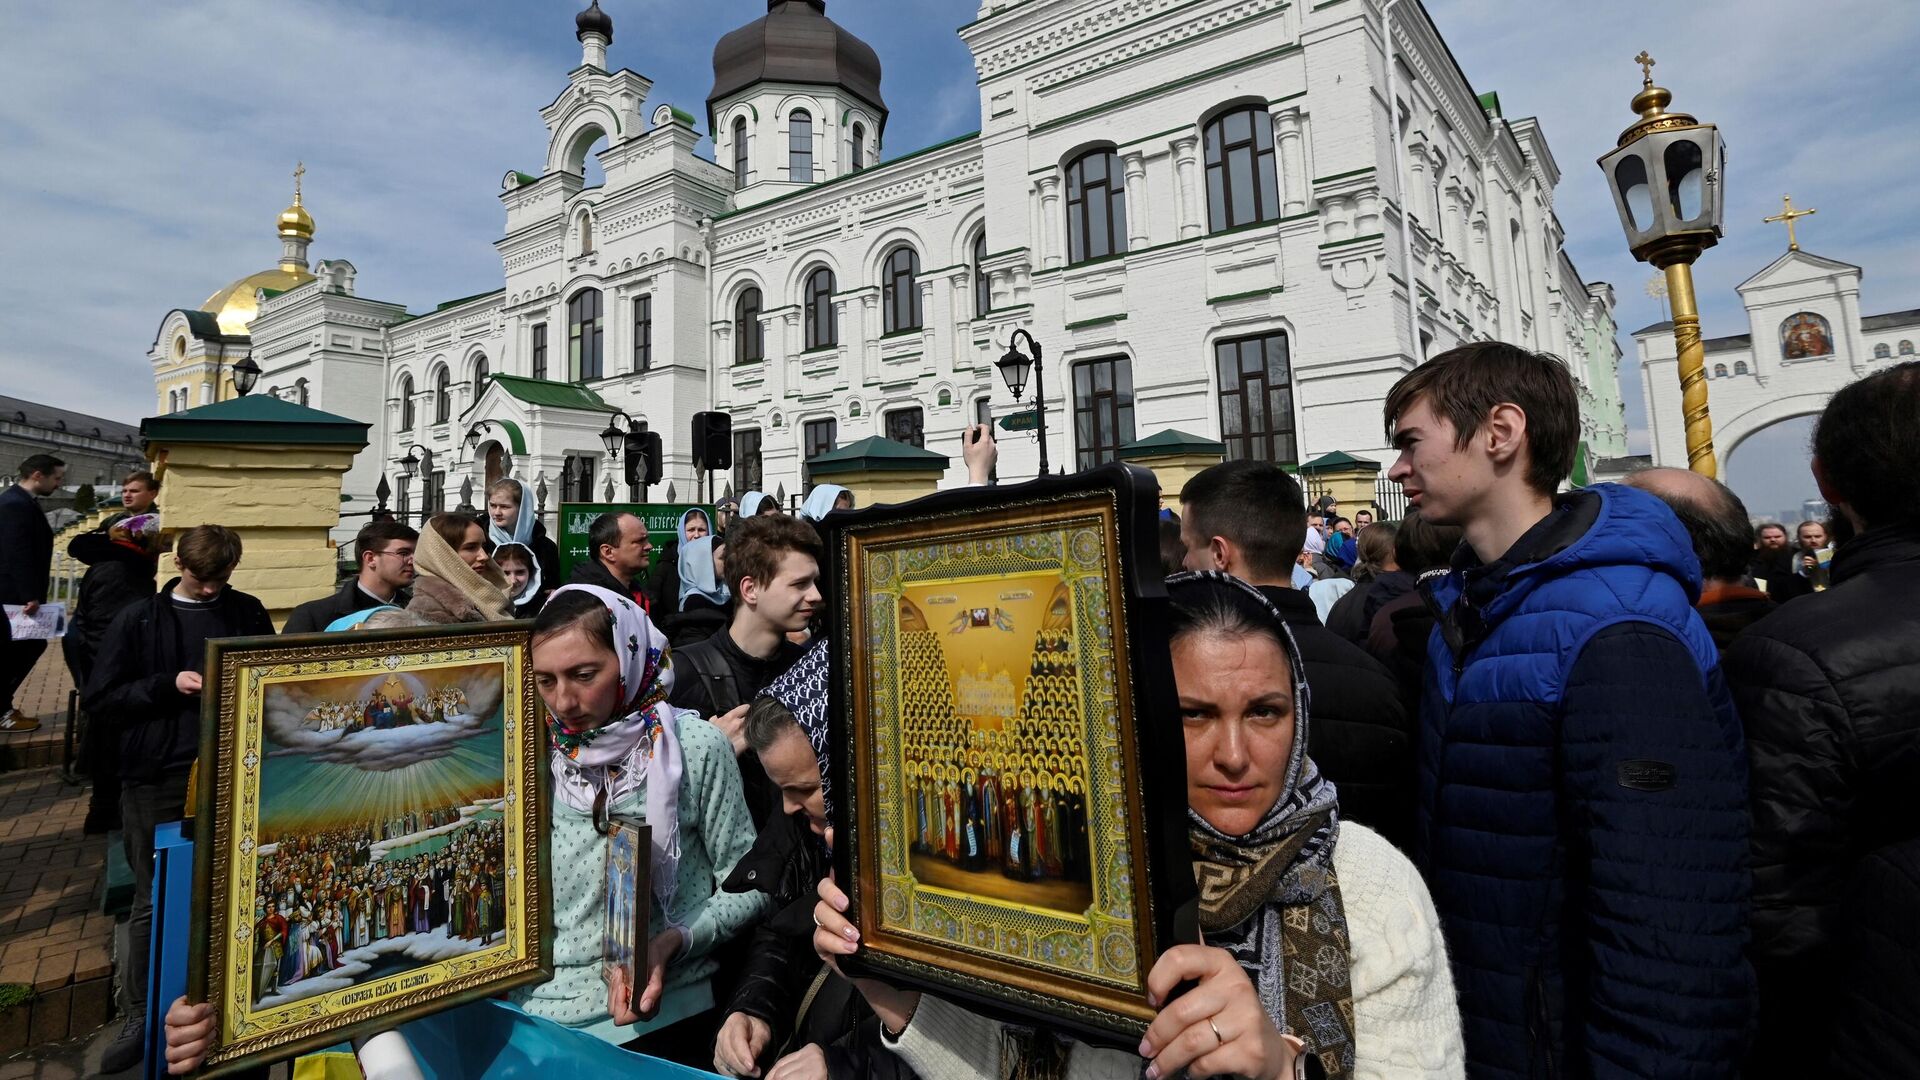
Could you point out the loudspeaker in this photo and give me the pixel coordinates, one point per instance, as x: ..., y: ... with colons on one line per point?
x: 712, y: 440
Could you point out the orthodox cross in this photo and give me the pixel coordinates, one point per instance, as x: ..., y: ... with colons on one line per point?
x: 299, y: 170
x: 1789, y: 215
x: 1646, y: 66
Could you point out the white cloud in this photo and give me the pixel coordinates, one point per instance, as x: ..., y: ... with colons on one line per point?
x: 371, y: 749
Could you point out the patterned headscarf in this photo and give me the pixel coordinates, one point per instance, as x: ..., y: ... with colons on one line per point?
x: 802, y: 688
x: 596, y: 768
x: 1270, y: 897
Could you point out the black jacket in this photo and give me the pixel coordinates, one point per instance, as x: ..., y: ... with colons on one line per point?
x: 698, y: 619
x: 1729, y: 611
x: 1877, y: 1036
x: 1828, y: 688
x: 315, y: 616
x: 26, y: 547
x: 133, y: 679
x: 592, y: 572
x: 715, y: 676
x: 1353, y: 613
x: 1361, y: 735
x: 116, y: 577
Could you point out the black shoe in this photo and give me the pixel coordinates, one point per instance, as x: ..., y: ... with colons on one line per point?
x: 128, y: 1047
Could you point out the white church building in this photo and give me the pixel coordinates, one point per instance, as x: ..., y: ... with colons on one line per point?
x: 1241, y: 219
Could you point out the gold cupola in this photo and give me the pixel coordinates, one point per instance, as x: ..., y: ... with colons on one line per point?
x: 235, y: 305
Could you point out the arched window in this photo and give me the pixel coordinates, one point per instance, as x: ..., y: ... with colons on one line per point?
x: 584, y: 336
x: 1243, y: 176
x: 1096, y: 207
x: 299, y: 391
x: 1719, y: 371
x: 800, y: 146
x: 859, y: 146
x: 1805, y: 334
x: 480, y: 373
x: 1740, y: 367
x: 1882, y: 352
x: 982, y: 285
x: 739, y: 152
x: 442, y: 400
x: 586, y: 233
x: 406, y: 403
x: 823, y: 330
x: 1906, y: 348
x: 900, y: 290
x: 749, y: 339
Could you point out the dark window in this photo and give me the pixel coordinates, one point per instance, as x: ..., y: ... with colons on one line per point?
x: 584, y: 336
x: 859, y: 147
x: 900, y: 290
x: 740, y: 152
x: 982, y: 286
x: 1096, y: 207
x: 908, y: 426
x: 749, y: 338
x: 746, y: 460
x: 800, y: 146
x: 442, y: 400
x: 576, y: 478
x: 822, y: 328
x: 1102, y: 409
x: 406, y: 404
x: 436, y: 493
x: 480, y: 372
x: 983, y: 414
x: 406, y: 499
x: 643, y: 332
x: 539, y: 350
x: 1243, y: 178
x: 817, y: 437
x: 1256, y: 398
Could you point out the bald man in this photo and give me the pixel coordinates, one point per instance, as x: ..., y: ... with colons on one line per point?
x: 1716, y: 520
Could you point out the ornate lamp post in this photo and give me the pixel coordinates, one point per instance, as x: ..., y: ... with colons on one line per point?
x: 410, y: 465
x: 245, y: 374
x: 1013, y: 368
x: 1667, y: 180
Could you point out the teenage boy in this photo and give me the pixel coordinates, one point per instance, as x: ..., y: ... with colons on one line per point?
x: 1583, y: 784
x: 147, y: 680
x: 773, y: 569
x: 383, y: 551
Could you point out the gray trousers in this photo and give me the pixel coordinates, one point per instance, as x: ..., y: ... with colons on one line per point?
x: 144, y: 807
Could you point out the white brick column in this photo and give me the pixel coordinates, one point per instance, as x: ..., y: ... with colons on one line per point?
x: 1051, y: 253
x: 1290, y: 148
x: 1137, y: 213
x: 1185, y: 166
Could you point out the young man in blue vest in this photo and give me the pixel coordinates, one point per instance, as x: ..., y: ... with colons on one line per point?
x: 1582, y: 815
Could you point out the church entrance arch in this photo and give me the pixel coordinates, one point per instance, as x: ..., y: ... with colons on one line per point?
x: 497, y: 462
x: 1729, y: 431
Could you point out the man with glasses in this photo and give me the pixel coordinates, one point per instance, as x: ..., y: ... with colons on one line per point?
x: 384, y: 553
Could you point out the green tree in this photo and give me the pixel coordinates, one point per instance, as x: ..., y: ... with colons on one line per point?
x: 85, y: 499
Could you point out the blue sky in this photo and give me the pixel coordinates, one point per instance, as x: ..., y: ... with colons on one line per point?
x: 148, y: 146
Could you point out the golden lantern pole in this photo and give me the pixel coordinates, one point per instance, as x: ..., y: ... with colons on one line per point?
x: 1692, y: 354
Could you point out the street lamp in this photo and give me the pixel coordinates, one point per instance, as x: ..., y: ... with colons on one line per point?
x: 245, y: 374
x: 615, y: 437
x: 1013, y: 368
x: 1667, y: 178
x: 410, y: 465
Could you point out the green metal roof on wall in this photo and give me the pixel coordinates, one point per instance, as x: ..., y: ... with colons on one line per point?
x: 556, y: 395
x: 875, y: 454
x: 1339, y: 459
x: 1168, y: 443
x: 261, y: 419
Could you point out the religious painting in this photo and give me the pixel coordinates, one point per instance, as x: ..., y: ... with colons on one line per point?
x: 371, y: 837
x: 629, y: 851
x: 1804, y: 335
x: 1004, y: 724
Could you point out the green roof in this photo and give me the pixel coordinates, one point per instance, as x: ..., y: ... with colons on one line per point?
x: 557, y: 395
x: 1490, y: 101
x: 255, y: 419
x: 525, y: 178
x: 1168, y: 443
x: 1339, y: 459
x: 680, y: 116
x: 467, y: 299
x: 875, y: 454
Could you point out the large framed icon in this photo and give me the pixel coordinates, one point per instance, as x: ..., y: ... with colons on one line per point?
x: 371, y: 834
x: 1009, y: 763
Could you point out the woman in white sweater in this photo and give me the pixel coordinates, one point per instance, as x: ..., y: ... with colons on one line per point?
x: 1321, y: 938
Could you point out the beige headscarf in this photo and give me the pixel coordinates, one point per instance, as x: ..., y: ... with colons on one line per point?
x: 485, y: 591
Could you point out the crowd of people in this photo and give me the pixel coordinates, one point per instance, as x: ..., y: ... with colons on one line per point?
x: 382, y: 711
x: 1599, y: 782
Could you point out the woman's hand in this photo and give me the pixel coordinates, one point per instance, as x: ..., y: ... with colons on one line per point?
x: 664, y: 947
x: 1218, y: 1028
x: 834, y: 937
x: 733, y: 724
x: 743, y: 1038
x: 807, y: 1063
x: 189, y: 1033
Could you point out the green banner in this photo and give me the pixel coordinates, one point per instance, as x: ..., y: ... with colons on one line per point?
x: 661, y: 520
x: 1021, y: 421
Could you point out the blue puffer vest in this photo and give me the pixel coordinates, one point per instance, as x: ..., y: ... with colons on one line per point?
x: 1491, y: 833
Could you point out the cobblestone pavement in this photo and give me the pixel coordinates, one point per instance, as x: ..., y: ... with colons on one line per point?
x: 44, y: 696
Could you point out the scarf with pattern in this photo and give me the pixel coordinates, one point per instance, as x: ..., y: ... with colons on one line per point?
x: 1270, y: 897
x: 802, y: 688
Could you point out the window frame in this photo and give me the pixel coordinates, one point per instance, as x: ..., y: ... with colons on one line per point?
x: 859, y: 156
x: 539, y: 350
x: 741, y: 166
x: 586, y: 337
x: 917, y: 429
x: 1090, y: 402
x: 811, y: 447
x: 982, y: 284
x: 797, y: 156
x: 1250, y: 438
x: 1080, y: 200
x: 1261, y: 172
x: 892, y: 273
x: 747, y: 446
x: 749, y: 337
x: 409, y: 414
x: 482, y: 371
x: 643, y: 332
x: 817, y: 303
x: 442, y: 395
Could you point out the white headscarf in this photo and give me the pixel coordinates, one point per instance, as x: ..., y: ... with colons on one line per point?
x: 750, y: 503
x: 522, y: 526
x: 820, y: 501
x: 641, y: 746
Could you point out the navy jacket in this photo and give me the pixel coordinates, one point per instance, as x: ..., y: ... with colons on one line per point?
x: 26, y: 547
x: 1583, y: 787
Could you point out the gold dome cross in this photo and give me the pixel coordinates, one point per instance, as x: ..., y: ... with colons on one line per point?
x: 1789, y: 215
x: 1646, y: 66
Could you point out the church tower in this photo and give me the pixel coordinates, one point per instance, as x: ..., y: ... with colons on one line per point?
x: 795, y: 101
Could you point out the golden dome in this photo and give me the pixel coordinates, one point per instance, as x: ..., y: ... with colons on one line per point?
x: 295, y: 221
x: 235, y: 306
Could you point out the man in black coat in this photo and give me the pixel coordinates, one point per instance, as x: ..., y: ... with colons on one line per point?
x: 1716, y: 520
x: 383, y: 550
x: 620, y: 548
x: 1828, y: 687
x: 1249, y: 518
x: 148, y: 679
x: 26, y: 561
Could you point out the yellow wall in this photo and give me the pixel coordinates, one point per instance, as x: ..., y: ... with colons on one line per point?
x: 870, y: 489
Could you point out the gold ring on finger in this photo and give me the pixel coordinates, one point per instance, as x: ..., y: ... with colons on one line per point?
x: 1216, y: 1032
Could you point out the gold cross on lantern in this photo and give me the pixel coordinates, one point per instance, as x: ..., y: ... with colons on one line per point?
x: 299, y: 170
x: 1646, y: 66
x: 1789, y: 215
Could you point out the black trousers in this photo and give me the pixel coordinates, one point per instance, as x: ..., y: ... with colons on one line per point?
x: 16, y: 663
x: 144, y: 807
